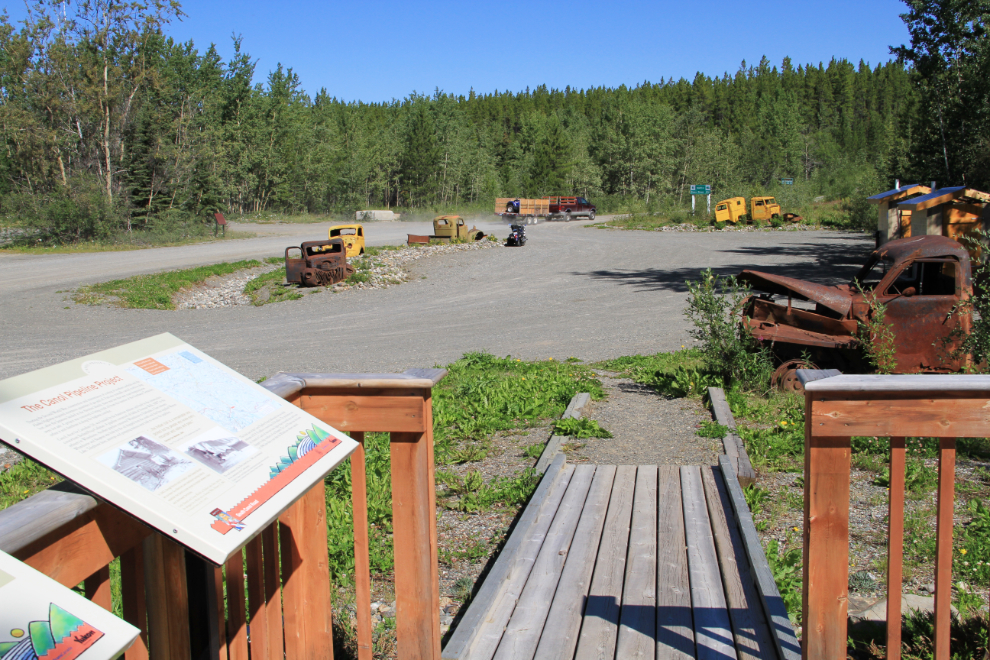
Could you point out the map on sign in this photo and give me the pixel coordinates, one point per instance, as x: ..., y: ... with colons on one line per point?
x: 205, y: 388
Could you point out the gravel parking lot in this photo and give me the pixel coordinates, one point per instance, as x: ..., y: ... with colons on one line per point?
x: 571, y: 291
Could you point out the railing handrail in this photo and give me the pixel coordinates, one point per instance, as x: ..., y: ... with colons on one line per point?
x: 838, y: 407
x: 73, y: 536
x: 901, y: 383
x: 286, y: 384
x: 27, y: 521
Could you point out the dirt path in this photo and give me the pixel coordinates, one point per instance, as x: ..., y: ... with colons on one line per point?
x: 649, y: 429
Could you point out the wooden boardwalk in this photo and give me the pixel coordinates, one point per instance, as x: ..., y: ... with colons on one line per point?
x: 627, y: 562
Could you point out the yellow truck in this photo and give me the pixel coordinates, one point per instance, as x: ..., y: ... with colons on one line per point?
x: 763, y: 208
x: 353, y: 237
x: 731, y: 210
x: 447, y: 228
x: 760, y: 208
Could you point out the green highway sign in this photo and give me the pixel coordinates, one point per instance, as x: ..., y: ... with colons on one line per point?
x: 787, y: 182
x: 701, y: 190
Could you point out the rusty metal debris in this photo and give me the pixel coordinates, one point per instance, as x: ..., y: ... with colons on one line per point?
x: 920, y: 281
x: 320, y: 263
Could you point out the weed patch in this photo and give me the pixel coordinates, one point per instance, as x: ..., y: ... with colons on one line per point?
x: 24, y: 480
x: 580, y: 428
x: 271, y: 288
x: 154, y: 291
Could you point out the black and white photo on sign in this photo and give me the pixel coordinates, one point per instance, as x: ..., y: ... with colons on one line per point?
x: 146, y: 462
x: 218, y: 449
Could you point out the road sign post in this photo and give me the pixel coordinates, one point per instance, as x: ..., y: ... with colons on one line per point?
x: 701, y: 190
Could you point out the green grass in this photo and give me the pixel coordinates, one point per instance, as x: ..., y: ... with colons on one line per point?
x: 271, y: 287
x: 480, y: 396
x: 154, y: 291
x: 24, y: 480
x: 580, y: 428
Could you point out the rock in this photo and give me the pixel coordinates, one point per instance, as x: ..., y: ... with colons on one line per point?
x: 446, y: 620
x: 877, y: 613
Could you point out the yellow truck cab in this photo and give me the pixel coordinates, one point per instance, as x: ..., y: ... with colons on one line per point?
x: 449, y: 226
x: 353, y: 237
x: 730, y: 210
x: 764, y: 208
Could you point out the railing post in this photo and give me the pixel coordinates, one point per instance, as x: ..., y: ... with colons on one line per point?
x: 826, y: 543
x: 417, y: 581
x: 167, y: 598
x: 895, y: 548
x: 306, y: 577
x: 362, y: 565
x: 943, y: 551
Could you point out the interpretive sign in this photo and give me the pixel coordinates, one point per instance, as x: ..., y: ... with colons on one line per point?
x: 41, y: 619
x: 173, y: 437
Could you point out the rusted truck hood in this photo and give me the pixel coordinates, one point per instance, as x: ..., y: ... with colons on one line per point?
x: 836, y: 298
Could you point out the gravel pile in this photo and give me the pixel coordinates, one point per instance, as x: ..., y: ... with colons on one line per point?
x: 385, y: 269
x: 220, y: 291
x: 695, y: 228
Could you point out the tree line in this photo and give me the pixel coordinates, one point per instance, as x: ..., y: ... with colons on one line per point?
x: 107, y: 123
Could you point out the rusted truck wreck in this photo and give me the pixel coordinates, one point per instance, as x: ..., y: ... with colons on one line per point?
x: 921, y: 281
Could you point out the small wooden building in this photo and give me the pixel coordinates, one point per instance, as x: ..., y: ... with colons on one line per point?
x: 894, y: 221
x: 952, y: 212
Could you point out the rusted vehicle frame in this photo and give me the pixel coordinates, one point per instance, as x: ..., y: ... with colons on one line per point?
x: 924, y: 280
x: 320, y: 263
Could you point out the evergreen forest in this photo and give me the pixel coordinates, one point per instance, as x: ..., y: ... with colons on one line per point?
x: 109, y: 125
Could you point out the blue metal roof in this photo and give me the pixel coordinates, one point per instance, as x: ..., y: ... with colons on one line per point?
x: 895, y: 191
x: 935, y: 194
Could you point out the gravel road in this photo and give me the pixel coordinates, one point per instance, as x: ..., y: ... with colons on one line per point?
x: 571, y: 291
x: 649, y: 429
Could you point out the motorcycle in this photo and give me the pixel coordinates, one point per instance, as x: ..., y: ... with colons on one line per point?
x: 517, y: 237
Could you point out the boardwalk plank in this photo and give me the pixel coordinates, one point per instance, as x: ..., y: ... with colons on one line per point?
x: 788, y: 647
x: 675, y: 625
x: 601, y: 616
x: 749, y: 625
x: 504, y: 601
x: 712, y: 628
x: 560, y: 633
x: 637, y: 624
x: 522, y: 634
x: 461, y: 642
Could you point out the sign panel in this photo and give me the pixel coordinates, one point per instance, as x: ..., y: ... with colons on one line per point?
x: 787, y: 182
x: 173, y: 437
x: 39, y: 618
x: 701, y: 190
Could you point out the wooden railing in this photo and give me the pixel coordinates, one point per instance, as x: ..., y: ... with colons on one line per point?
x: 177, y: 599
x: 896, y: 407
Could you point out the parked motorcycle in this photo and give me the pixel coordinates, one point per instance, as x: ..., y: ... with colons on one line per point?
x: 517, y: 237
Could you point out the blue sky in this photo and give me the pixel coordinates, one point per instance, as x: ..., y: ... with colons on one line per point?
x: 378, y: 50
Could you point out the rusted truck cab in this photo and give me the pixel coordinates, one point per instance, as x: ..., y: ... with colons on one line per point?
x: 320, y: 263
x: 921, y: 281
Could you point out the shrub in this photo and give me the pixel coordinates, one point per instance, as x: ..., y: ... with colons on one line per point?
x: 876, y: 337
x: 728, y: 351
x: 79, y: 211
